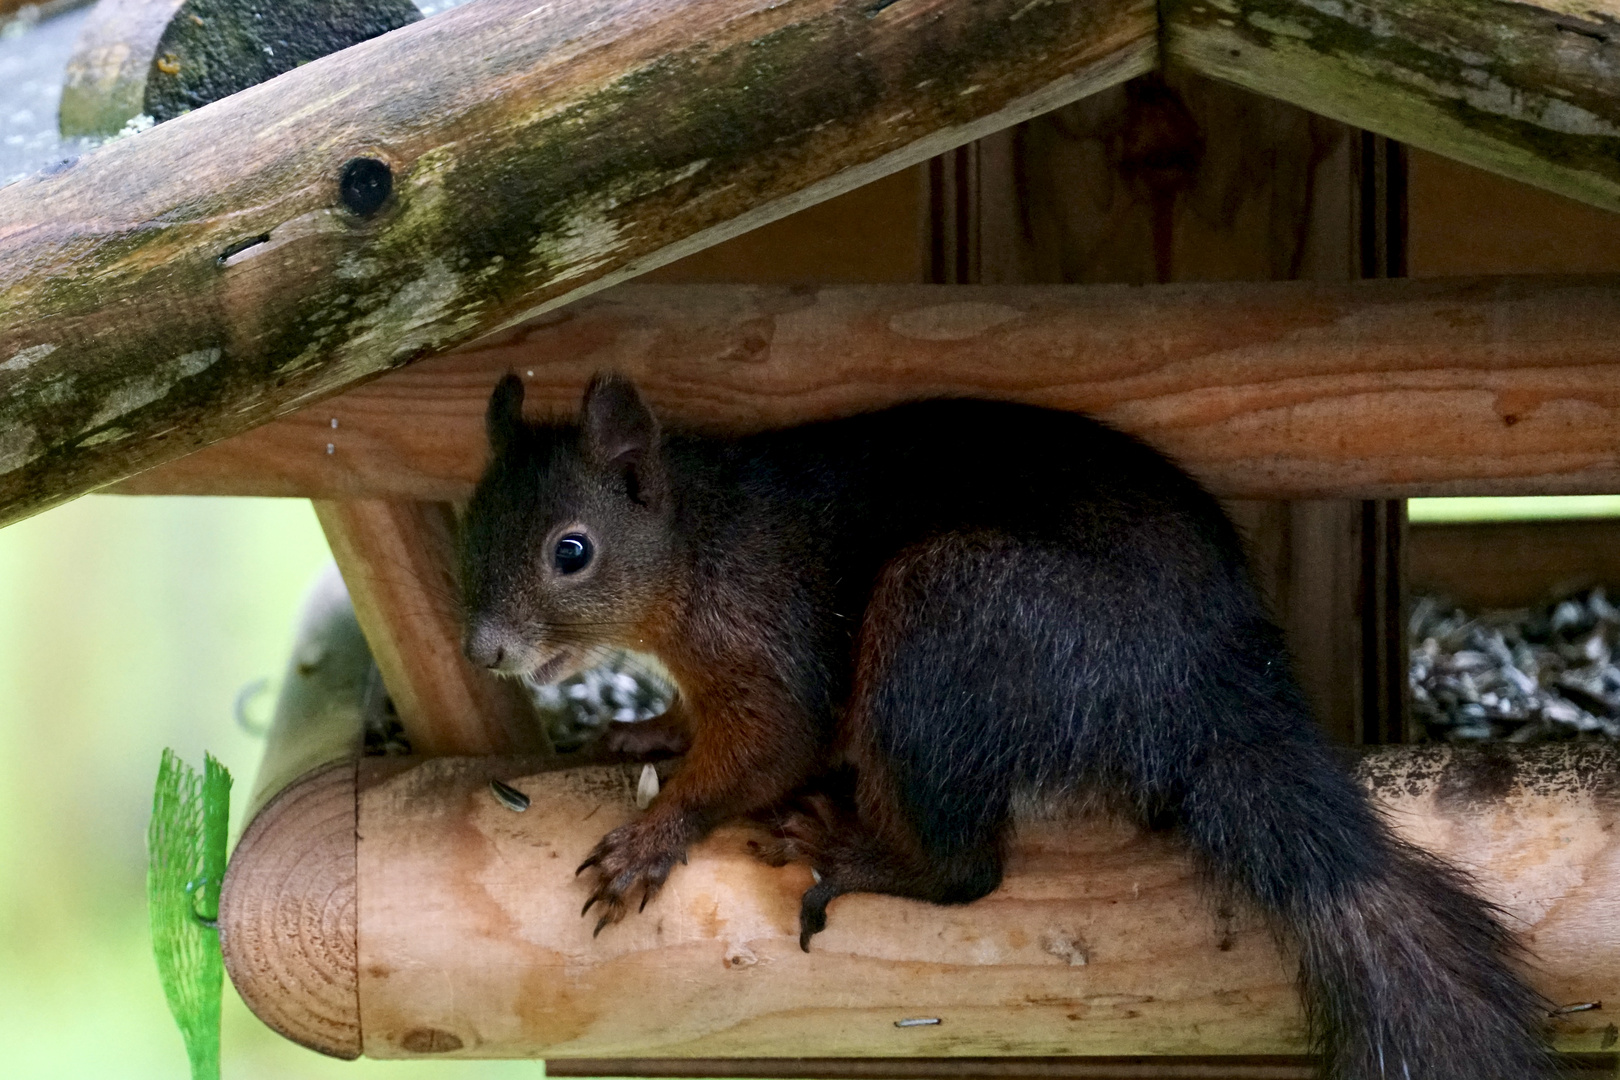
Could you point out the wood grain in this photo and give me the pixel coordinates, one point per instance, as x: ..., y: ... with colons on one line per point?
x: 398, y: 560
x: 1099, y: 942
x: 1525, y: 89
x: 1273, y: 390
x: 1170, y: 177
x: 184, y: 285
x: 287, y: 913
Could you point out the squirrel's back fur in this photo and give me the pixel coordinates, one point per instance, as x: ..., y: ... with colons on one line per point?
x: 965, y: 603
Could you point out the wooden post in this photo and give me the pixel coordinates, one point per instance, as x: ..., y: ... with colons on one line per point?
x: 398, y: 559
x: 468, y: 941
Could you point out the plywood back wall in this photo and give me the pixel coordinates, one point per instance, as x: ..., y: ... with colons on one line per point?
x: 870, y: 236
x: 1462, y: 220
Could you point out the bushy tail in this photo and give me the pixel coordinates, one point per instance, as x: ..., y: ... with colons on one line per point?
x: 1406, y: 974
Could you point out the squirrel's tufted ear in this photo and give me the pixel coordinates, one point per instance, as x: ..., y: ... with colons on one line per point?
x: 504, y: 417
x: 620, y: 432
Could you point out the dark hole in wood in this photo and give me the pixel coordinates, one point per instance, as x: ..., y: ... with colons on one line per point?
x: 241, y: 246
x: 365, y: 185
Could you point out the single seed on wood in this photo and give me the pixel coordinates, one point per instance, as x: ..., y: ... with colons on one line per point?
x: 509, y: 796
x: 1578, y: 1007
x: 646, y: 787
x: 918, y: 1021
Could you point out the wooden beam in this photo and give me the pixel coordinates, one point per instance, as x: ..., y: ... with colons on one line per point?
x: 174, y: 288
x: 398, y: 560
x: 468, y: 941
x: 1525, y: 88
x: 1275, y: 390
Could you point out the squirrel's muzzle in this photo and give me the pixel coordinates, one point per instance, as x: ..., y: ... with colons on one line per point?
x: 497, y: 648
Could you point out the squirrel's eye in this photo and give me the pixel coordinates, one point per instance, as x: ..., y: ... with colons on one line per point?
x: 573, y: 553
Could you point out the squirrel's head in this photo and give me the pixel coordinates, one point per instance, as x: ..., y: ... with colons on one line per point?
x: 566, y: 545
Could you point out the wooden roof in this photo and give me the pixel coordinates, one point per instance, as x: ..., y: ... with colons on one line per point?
x: 170, y: 290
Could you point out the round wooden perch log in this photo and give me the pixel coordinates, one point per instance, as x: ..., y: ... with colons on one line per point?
x: 1507, y: 386
x: 461, y: 174
x: 466, y: 938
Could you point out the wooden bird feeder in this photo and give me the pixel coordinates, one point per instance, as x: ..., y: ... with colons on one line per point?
x: 1109, y: 205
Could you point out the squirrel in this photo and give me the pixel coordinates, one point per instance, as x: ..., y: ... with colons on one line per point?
x: 956, y: 605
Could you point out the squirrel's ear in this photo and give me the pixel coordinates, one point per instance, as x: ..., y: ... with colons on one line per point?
x: 504, y: 417
x: 620, y: 432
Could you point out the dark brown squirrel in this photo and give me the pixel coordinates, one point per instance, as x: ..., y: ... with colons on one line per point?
x: 958, y: 604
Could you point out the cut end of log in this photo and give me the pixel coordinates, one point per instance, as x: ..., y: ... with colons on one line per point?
x: 287, y: 914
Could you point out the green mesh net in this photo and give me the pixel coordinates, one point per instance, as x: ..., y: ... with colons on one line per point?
x: 186, y: 850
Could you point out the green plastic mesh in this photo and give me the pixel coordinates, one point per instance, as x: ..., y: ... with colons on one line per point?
x: 186, y: 850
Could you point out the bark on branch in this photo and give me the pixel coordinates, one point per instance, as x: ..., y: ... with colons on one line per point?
x: 229, y: 265
x: 1529, y: 89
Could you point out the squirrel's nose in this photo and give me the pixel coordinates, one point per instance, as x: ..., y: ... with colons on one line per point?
x: 486, y: 646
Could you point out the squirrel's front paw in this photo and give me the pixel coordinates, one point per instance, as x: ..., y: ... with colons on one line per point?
x: 642, y: 854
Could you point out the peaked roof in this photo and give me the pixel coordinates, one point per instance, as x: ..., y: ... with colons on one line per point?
x: 175, y: 288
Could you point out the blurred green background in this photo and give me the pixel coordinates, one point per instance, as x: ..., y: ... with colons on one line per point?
x: 128, y: 625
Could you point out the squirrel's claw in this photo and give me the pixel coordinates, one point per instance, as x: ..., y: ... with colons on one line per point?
x: 637, y: 854
x: 813, y: 910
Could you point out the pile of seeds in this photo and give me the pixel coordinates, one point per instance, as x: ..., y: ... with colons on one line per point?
x: 577, y: 709
x: 1525, y: 675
